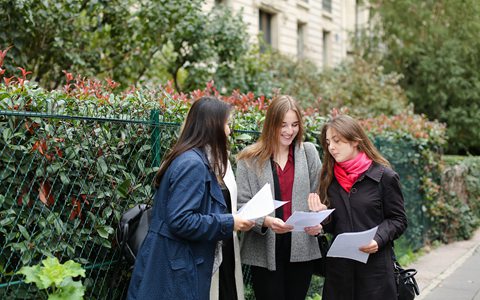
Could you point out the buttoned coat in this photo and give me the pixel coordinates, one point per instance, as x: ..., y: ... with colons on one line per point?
x: 176, y: 257
x: 375, y: 199
x: 258, y: 245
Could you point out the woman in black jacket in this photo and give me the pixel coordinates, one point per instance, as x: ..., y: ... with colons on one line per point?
x: 359, y: 183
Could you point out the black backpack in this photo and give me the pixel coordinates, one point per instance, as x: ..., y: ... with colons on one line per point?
x: 132, y: 229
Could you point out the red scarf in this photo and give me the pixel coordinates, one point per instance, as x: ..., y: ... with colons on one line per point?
x: 347, y: 172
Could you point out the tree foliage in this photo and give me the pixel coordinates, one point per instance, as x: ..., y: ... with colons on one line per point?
x: 435, y: 46
x: 158, y: 40
x: 362, y: 86
x: 126, y: 40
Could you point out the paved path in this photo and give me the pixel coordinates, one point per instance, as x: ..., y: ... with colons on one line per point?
x: 451, y: 271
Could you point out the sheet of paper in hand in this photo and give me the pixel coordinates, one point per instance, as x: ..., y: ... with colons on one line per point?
x: 260, y: 205
x: 346, y: 245
x: 301, y: 219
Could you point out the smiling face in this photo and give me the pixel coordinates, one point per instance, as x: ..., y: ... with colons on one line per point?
x: 341, y: 149
x: 289, y: 129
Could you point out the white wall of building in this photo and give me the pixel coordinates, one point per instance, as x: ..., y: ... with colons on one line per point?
x: 339, y: 25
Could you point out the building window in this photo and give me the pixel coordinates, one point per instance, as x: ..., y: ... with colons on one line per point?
x: 326, y: 48
x: 327, y: 5
x: 265, y: 26
x: 301, y: 40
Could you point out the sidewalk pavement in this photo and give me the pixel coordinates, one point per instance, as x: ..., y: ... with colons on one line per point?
x: 451, y: 271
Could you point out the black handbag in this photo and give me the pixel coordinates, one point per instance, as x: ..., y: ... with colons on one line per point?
x: 320, y: 264
x: 407, y: 286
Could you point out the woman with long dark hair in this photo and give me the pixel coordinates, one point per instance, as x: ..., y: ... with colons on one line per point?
x: 176, y: 258
x: 358, y: 182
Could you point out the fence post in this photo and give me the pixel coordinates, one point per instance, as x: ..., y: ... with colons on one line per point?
x: 155, y: 137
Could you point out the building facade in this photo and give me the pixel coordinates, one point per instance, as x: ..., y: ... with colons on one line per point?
x: 319, y: 30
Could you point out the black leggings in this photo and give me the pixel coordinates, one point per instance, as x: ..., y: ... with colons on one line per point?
x: 290, y: 280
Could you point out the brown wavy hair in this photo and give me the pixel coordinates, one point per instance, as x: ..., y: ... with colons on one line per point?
x: 350, y: 131
x: 204, y: 128
x: 267, y: 143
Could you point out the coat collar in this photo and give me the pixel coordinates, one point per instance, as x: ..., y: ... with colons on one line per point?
x: 202, y: 155
x: 375, y: 172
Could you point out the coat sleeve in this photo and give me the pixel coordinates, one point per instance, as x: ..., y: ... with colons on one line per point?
x: 395, y: 219
x: 246, y: 191
x: 186, y: 216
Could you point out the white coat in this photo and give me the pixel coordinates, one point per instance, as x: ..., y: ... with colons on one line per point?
x: 229, y: 180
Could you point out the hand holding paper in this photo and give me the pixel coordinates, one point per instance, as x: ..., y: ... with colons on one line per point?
x: 346, y: 245
x: 300, y: 219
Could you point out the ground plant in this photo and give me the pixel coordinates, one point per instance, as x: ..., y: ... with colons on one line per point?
x: 55, y: 280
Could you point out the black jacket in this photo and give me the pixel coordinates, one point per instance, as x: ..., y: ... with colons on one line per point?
x: 375, y: 199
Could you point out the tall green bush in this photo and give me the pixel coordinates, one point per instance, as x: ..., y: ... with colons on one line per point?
x: 434, y: 45
x: 71, y: 163
x: 129, y: 41
x: 364, y: 87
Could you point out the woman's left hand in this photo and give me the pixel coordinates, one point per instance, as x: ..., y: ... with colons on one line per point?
x: 370, y: 248
x: 314, y: 230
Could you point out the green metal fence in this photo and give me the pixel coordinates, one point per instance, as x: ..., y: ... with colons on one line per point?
x: 406, y: 159
x: 65, y: 180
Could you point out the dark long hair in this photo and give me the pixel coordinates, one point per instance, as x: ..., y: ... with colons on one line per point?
x: 350, y: 131
x: 204, y: 128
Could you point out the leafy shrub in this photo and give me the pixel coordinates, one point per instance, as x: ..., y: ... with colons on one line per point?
x: 125, y: 40
x: 433, y: 44
x: 73, y: 160
x: 56, y: 279
x: 364, y: 87
x: 456, y: 210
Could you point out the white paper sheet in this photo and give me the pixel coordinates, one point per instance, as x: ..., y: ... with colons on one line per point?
x: 278, y: 203
x: 260, y: 205
x: 346, y: 245
x: 300, y: 219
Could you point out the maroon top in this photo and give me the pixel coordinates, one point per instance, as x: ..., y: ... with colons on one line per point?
x: 285, y: 180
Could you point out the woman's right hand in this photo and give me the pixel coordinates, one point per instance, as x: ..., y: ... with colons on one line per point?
x: 277, y: 225
x: 314, y: 203
x: 240, y: 224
